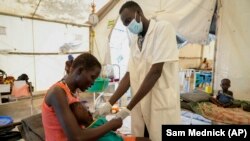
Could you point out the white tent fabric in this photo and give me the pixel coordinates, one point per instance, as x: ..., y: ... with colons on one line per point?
x: 191, y: 18
x: 232, y: 56
x: 68, y: 11
x: 102, y: 35
x: 33, y: 36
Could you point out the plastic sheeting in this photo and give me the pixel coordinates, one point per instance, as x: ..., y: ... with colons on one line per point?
x: 232, y: 56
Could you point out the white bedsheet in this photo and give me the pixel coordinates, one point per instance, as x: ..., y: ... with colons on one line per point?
x: 189, y: 118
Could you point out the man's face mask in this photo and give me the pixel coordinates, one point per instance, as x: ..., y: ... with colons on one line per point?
x: 134, y: 26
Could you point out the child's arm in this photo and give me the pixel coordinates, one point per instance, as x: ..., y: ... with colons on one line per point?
x: 230, y: 93
x: 218, y: 95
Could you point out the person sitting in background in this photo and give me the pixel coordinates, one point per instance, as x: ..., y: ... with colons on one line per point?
x: 22, y: 87
x: 224, y: 97
x: 85, y: 118
x: 25, y: 78
x: 204, y: 65
x: 68, y: 63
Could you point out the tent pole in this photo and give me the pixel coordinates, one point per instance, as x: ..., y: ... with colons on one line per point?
x: 218, y: 3
x: 91, y: 39
x: 46, y: 20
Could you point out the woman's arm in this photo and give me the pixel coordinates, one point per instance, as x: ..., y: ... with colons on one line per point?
x: 58, y: 100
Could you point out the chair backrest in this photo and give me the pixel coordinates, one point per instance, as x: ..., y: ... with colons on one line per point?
x: 31, y: 128
x: 20, y: 89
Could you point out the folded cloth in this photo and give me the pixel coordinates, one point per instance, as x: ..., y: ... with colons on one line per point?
x: 32, y: 128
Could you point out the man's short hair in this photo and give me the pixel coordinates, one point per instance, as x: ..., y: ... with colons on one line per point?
x: 130, y: 5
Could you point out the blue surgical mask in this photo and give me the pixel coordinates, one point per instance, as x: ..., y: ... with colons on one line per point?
x: 135, y: 27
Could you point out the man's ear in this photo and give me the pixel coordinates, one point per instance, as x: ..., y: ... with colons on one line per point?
x: 139, y: 13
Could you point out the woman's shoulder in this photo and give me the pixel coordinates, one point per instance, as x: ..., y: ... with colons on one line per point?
x: 55, y: 92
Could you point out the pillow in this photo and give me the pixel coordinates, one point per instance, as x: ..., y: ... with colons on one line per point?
x: 195, y: 97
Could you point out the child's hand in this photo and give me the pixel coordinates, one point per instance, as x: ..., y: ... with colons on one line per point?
x: 116, y: 122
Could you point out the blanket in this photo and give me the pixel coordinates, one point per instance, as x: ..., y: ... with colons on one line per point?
x: 220, y: 114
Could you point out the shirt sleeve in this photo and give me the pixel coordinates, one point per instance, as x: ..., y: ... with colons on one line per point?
x: 165, y: 46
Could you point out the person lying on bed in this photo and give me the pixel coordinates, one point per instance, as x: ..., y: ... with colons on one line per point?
x: 224, y: 97
x: 85, y: 119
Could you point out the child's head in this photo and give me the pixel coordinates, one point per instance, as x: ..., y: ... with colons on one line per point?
x: 83, y: 116
x: 225, y: 84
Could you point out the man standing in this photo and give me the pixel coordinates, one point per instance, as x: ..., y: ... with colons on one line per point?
x: 152, y: 75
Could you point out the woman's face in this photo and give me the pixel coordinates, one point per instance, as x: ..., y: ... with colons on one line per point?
x: 87, y: 78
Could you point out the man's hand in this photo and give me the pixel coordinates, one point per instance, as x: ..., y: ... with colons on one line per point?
x: 123, y: 113
x: 104, y: 110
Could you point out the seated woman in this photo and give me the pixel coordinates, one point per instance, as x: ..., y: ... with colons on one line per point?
x: 84, y: 117
x: 25, y: 77
x: 224, y: 97
x: 58, y: 120
x: 22, y: 87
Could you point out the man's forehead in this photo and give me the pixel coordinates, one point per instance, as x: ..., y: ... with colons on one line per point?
x: 127, y: 12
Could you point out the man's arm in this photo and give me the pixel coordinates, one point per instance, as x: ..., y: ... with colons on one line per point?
x: 147, y: 84
x: 122, y: 88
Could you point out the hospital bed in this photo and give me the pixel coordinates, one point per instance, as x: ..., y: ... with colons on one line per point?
x: 198, y: 104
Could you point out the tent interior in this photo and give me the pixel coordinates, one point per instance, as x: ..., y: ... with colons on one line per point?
x: 71, y: 33
x: 36, y: 37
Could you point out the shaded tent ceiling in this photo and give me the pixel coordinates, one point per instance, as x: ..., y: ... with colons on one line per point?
x: 66, y: 11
